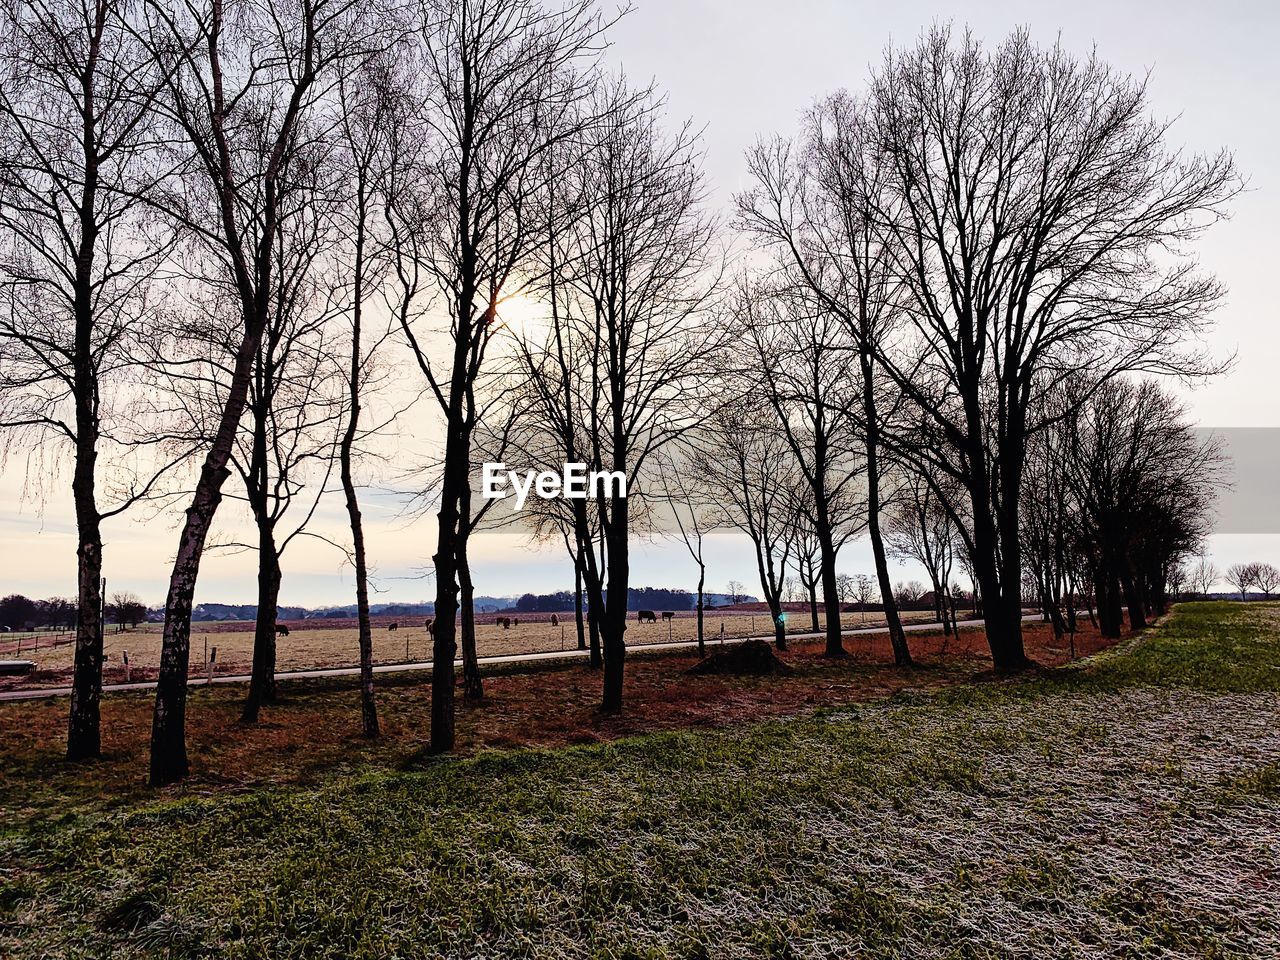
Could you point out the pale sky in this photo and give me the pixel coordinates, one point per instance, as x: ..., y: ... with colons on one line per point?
x: 742, y: 69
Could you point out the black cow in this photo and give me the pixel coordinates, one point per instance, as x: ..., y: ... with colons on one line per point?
x: 431, y: 627
x: 555, y: 621
x: 643, y: 615
x: 668, y: 615
x: 282, y: 629
x: 393, y: 626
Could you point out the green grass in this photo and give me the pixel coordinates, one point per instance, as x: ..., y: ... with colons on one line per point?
x: 1126, y: 808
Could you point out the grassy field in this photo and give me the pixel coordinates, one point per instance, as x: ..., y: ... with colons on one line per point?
x: 1126, y: 807
x: 313, y: 644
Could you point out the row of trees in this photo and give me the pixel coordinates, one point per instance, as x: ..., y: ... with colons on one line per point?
x: 59, y: 613
x: 1244, y: 577
x: 216, y: 217
x: 22, y: 613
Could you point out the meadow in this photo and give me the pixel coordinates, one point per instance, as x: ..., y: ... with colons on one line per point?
x: 325, y: 643
x: 1125, y: 805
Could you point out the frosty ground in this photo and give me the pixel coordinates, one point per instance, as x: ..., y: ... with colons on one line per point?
x: 1126, y: 807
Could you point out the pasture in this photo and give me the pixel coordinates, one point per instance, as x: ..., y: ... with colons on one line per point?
x: 328, y: 643
x: 1127, y: 805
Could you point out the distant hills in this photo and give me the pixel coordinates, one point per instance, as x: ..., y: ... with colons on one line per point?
x: 646, y: 596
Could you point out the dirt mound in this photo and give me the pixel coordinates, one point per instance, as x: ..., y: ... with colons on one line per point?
x: 754, y: 657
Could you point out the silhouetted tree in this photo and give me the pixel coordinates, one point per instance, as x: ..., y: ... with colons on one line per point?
x: 77, y: 256
x: 1036, y: 219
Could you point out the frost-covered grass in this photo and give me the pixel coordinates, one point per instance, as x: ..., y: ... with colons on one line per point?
x: 1126, y: 809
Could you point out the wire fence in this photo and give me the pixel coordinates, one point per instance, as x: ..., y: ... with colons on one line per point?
x: 15, y: 644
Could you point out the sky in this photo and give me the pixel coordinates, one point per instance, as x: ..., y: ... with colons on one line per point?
x: 742, y: 69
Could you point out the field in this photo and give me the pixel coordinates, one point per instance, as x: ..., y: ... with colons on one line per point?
x: 1123, y: 806
x: 326, y: 643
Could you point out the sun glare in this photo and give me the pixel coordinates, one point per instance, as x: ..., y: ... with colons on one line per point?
x: 522, y: 315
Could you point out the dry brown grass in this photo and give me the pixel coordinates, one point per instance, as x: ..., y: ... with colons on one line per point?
x: 314, y: 730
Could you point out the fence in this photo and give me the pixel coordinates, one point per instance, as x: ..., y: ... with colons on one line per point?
x: 14, y: 644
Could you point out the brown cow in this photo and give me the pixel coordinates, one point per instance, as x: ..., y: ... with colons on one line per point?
x: 431, y: 627
x: 643, y: 615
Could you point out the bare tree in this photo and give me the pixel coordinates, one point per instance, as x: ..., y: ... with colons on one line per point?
x: 691, y: 507
x: 241, y: 86
x: 501, y: 80
x: 1242, y: 576
x: 864, y: 591
x: 1266, y: 578
x: 285, y: 454
x: 909, y: 593
x: 1037, y: 220
x: 369, y: 103
x: 77, y: 257
x: 812, y: 207
x: 800, y: 365
x: 1143, y: 484
x: 749, y: 467
x: 127, y: 609
x: 919, y: 528
x: 1204, y: 576
x: 635, y: 268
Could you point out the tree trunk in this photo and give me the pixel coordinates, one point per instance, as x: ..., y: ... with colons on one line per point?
x: 577, y: 604
x: 445, y: 648
x: 595, y: 608
x: 897, y: 638
x: 1110, y: 617
x: 702, y: 580
x: 262, y: 681
x: 812, y: 588
x: 368, y: 705
x: 84, y: 737
x: 614, y: 625
x: 472, y: 686
x: 940, y: 608
x: 1132, y: 597
x: 830, y: 595
x: 1004, y: 633
x: 168, y: 723
x: 595, y: 593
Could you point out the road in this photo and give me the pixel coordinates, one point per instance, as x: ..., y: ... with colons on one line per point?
x: 37, y: 693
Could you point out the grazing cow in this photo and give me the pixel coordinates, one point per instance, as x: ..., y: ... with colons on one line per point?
x: 282, y: 629
x: 668, y: 615
x: 555, y: 621
x: 431, y: 627
x: 643, y: 615
x: 505, y: 621
x: 393, y: 626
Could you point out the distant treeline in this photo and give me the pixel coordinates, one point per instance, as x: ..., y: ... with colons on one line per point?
x: 638, y: 598
x: 21, y: 613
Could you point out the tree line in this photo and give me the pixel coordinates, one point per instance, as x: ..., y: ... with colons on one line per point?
x: 935, y: 317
